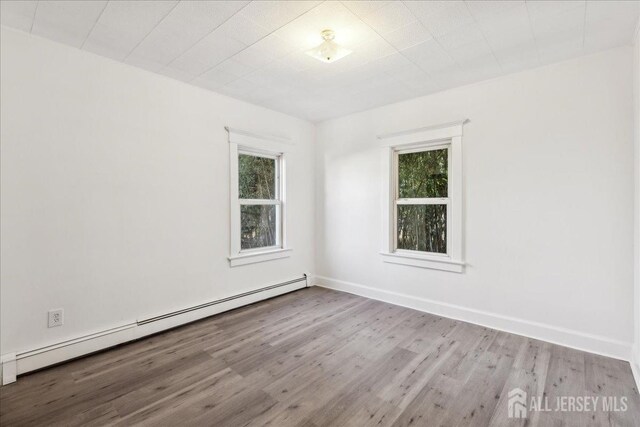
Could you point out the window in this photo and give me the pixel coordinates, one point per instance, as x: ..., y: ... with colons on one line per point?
x: 257, y: 201
x: 421, y: 198
x: 423, y: 184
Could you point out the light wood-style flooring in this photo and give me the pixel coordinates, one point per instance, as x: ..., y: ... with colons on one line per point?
x: 318, y: 357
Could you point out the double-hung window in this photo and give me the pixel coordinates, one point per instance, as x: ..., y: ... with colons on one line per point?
x: 259, y: 200
x: 423, y: 189
x: 257, y: 197
x: 421, y: 199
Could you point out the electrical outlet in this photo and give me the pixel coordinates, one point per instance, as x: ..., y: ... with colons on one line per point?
x: 56, y: 317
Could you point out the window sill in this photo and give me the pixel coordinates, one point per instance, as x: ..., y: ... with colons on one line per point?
x: 432, y: 262
x: 254, y: 257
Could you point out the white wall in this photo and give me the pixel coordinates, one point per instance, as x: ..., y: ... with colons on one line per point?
x: 548, y: 164
x: 115, y: 193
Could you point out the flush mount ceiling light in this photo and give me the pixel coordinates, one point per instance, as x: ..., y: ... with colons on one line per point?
x: 328, y: 50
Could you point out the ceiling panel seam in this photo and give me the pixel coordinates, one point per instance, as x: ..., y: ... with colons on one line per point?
x: 257, y: 41
x: 150, y: 31
x: 94, y: 25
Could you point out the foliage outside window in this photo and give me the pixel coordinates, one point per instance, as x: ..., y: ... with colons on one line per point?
x: 260, y: 204
x: 422, y: 199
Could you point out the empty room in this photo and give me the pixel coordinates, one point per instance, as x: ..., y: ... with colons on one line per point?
x: 320, y: 213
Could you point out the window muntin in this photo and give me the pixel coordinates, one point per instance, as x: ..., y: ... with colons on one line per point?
x: 421, y: 202
x: 259, y: 196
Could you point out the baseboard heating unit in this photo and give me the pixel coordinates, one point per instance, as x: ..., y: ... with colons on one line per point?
x: 220, y: 301
x: 14, y: 364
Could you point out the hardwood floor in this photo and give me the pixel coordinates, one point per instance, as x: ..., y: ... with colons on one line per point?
x: 317, y: 357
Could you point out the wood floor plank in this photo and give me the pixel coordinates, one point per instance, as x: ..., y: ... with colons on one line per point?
x: 565, y: 377
x: 374, y: 412
x: 432, y: 404
x: 405, y: 386
x: 529, y: 374
x: 318, y: 358
x: 219, y: 386
x: 355, y: 394
x: 486, y: 381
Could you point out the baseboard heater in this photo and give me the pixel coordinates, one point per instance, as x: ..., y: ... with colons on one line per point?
x: 220, y: 301
x: 18, y: 363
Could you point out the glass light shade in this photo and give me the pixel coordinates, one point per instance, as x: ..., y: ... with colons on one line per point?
x: 328, y: 50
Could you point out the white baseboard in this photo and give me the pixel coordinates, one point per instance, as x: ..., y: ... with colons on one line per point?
x: 635, y: 362
x: 26, y: 361
x: 566, y: 337
x: 8, y: 368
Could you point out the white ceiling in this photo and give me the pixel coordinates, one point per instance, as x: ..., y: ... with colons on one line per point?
x: 254, y: 50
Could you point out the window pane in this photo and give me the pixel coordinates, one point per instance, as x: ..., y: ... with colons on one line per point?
x: 422, y: 228
x: 423, y: 174
x: 257, y: 177
x: 257, y: 226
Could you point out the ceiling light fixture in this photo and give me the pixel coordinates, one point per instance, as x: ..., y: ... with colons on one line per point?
x: 328, y: 50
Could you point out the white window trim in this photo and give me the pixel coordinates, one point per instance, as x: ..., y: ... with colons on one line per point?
x: 267, y: 146
x: 432, y: 137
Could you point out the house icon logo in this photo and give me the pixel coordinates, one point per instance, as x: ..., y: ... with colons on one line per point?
x: 517, y: 403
